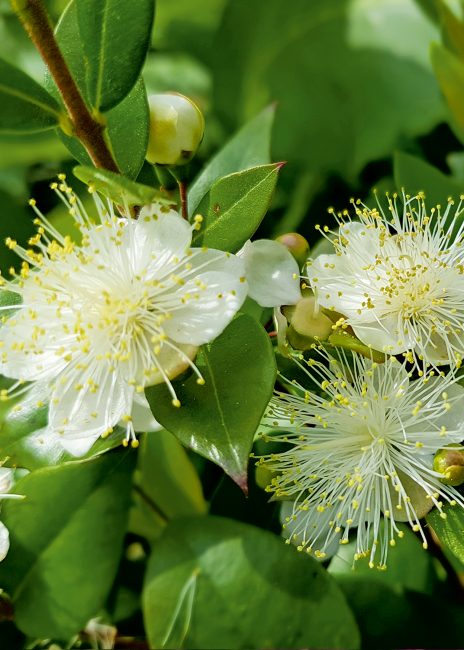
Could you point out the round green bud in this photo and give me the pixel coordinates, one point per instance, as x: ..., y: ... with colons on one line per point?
x: 419, y: 500
x: 449, y: 462
x: 176, y: 129
x: 297, y: 245
x: 307, y: 320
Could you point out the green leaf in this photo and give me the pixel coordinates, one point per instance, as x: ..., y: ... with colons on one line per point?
x: 249, y: 147
x: 8, y: 299
x: 217, y: 583
x: 118, y: 188
x: 127, y: 123
x: 66, y: 538
x: 25, y: 106
x: 126, y: 131
x: 409, y: 566
x: 331, y: 99
x: 449, y: 71
x: 115, y: 37
x: 452, y: 27
x: 450, y: 532
x: 415, y: 175
x: 167, y: 485
x: 219, y: 419
x: 235, y: 206
x: 168, y: 477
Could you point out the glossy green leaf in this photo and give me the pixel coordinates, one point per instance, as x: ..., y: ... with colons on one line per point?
x: 217, y: 583
x: 118, y: 188
x: 66, y: 538
x: 25, y: 106
x: 127, y: 123
x: 219, y: 419
x: 450, y: 532
x: 249, y: 147
x: 449, y: 71
x: 348, y: 77
x: 168, y: 477
x: 167, y: 485
x: 8, y: 299
x: 415, y: 175
x: 235, y: 206
x: 115, y: 36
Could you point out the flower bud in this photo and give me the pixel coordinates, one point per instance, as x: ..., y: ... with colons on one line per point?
x: 297, y: 245
x: 307, y: 323
x: 450, y: 463
x: 176, y: 129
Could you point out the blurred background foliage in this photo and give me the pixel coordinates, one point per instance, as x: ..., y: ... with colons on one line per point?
x: 352, y: 81
x: 360, y: 103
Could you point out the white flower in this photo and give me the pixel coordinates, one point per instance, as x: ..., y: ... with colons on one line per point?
x: 272, y: 273
x: 124, y: 309
x: 398, y: 280
x: 361, y: 450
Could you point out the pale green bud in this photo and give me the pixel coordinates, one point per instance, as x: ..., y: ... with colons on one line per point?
x: 420, y: 502
x: 307, y: 323
x: 297, y: 245
x: 176, y: 129
x: 450, y: 463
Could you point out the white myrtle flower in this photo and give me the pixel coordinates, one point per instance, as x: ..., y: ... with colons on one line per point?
x: 360, y: 450
x: 398, y: 280
x: 101, y: 320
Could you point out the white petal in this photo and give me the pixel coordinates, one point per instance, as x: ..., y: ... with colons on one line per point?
x: 208, y: 300
x: 272, y: 273
x: 78, y: 412
x: 78, y: 446
x: 161, y: 230
x: 4, y: 541
x: 6, y: 479
x: 23, y: 357
x: 142, y: 417
x: 384, y: 335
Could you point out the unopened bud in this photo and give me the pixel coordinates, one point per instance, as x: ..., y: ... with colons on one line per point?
x: 297, y: 245
x: 307, y: 323
x: 176, y: 129
x: 449, y: 462
x: 418, y: 498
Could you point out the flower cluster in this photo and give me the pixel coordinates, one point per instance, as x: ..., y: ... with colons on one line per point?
x: 361, y: 436
x: 125, y: 308
x: 397, y: 280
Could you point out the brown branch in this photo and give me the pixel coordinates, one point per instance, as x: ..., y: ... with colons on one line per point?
x: 36, y: 22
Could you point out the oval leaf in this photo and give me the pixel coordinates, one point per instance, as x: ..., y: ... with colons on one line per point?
x: 235, y: 206
x: 251, y: 146
x: 450, y: 532
x: 25, y: 106
x: 115, y: 37
x: 66, y: 538
x: 118, y: 188
x: 217, y: 583
x: 219, y: 419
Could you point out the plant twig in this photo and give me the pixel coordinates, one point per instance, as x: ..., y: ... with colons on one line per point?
x: 36, y: 22
x: 183, y: 198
